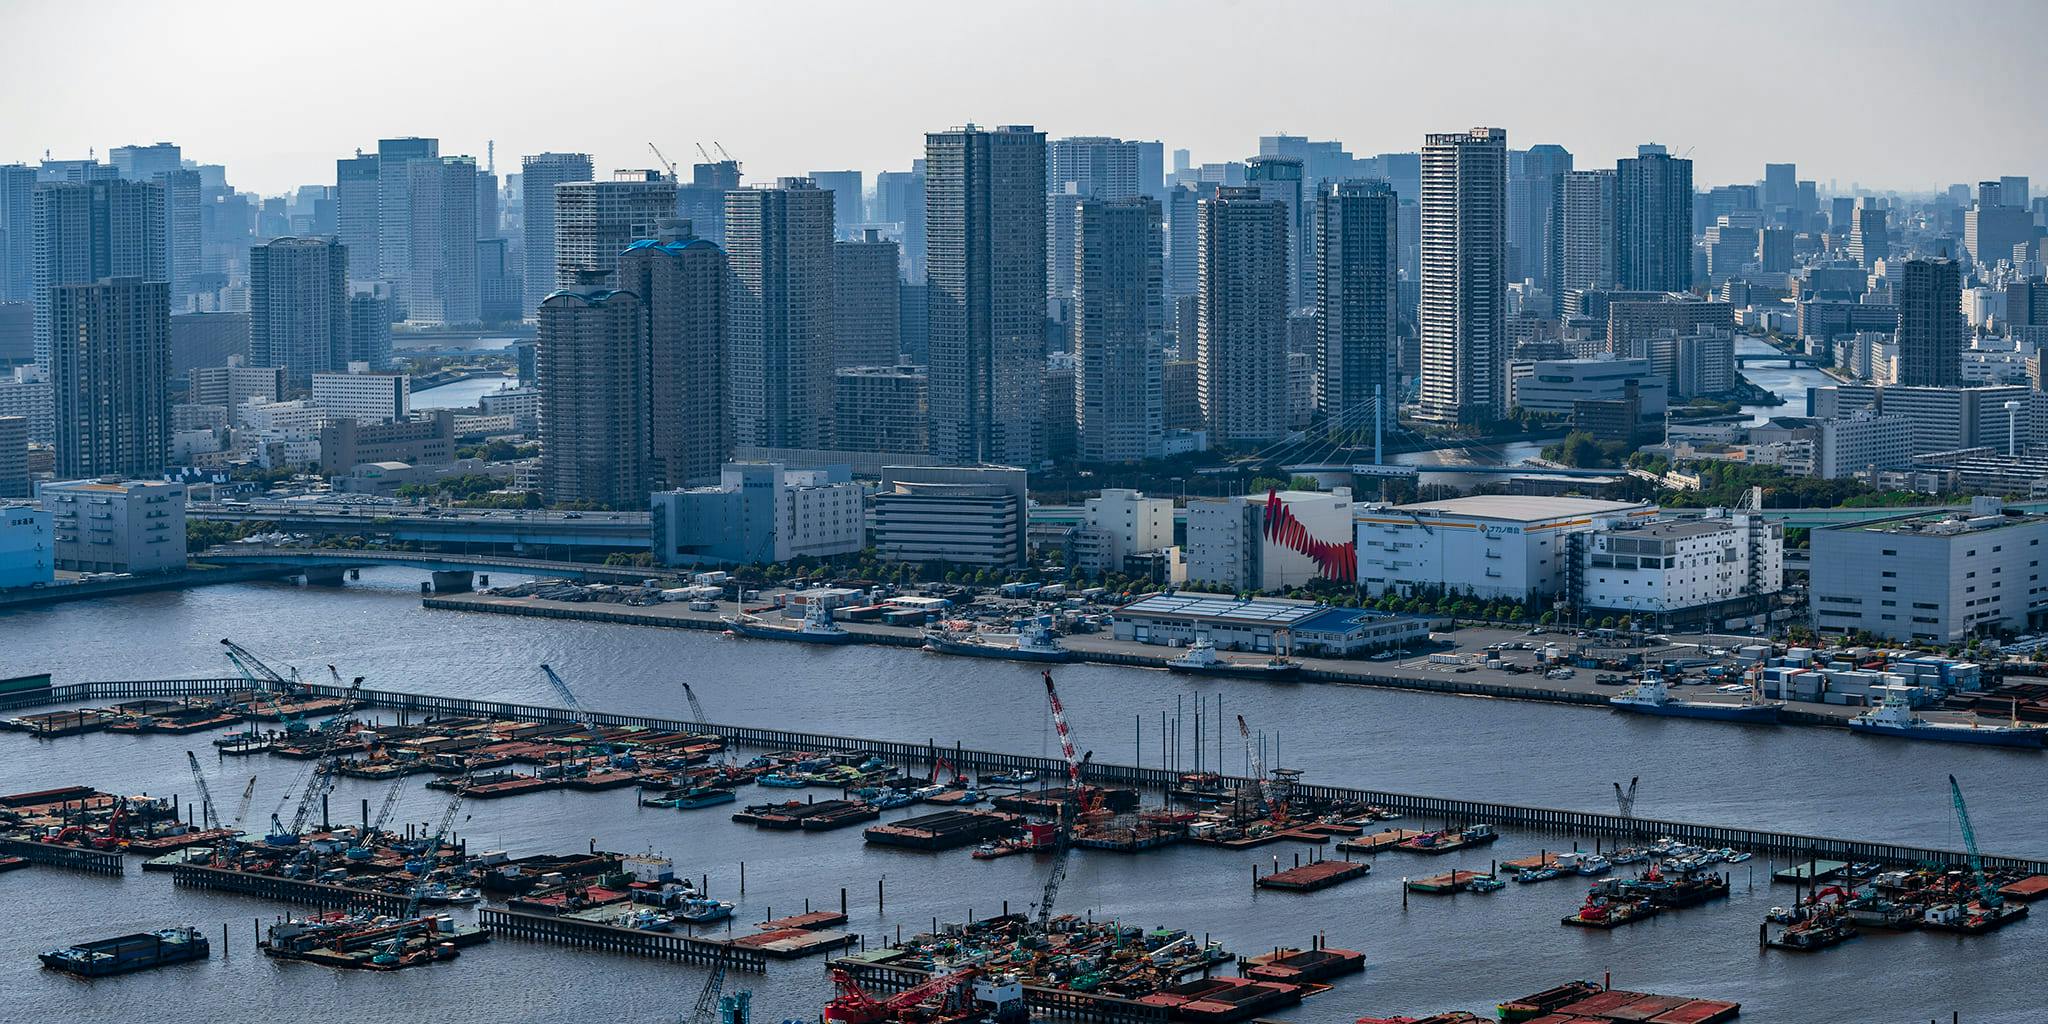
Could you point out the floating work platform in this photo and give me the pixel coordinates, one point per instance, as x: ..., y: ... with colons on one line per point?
x: 1223, y: 1000
x: 794, y: 943
x: 817, y: 816
x: 136, y: 952
x: 1807, y: 872
x: 811, y: 921
x: 1616, y: 1006
x: 1438, y: 843
x: 1378, y: 841
x: 1447, y: 883
x: 1318, y: 875
x: 1297, y: 966
x: 945, y: 830
x: 2026, y: 890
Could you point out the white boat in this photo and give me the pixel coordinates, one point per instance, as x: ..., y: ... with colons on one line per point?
x: 816, y: 628
x: 1593, y: 864
x: 1896, y: 717
x: 1201, y: 659
x: 1653, y: 697
x: 1033, y: 641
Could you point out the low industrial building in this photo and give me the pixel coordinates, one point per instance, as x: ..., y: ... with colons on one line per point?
x: 1118, y: 526
x: 1495, y: 546
x: 1264, y: 624
x: 760, y: 512
x: 1931, y: 577
x: 971, y: 516
x: 424, y: 440
x: 28, y: 556
x: 115, y: 525
x: 1556, y: 385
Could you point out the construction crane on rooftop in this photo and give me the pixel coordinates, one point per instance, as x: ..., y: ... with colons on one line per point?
x: 665, y: 161
x: 701, y: 151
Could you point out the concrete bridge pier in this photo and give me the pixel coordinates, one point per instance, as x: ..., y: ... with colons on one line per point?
x: 454, y: 581
x: 326, y: 576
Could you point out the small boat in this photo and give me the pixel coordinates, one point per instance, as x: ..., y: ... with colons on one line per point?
x: 1896, y: 717
x: 1201, y: 659
x: 892, y: 798
x: 1538, y: 875
x: 1630, y: 855
x: 779, y: 780
x: 645, y: 919
x: 1020, y: 777
x: 1486, y: 883
x: 702, y: 910
x: 816, y: 628
x: 1594, y: 864
x: 1736, y: 856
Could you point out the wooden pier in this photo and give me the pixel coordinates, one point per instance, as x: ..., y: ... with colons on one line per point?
x: 1787, y: 846
x: 70, y: 858
x: 563, y: 931
x: 285, y: 890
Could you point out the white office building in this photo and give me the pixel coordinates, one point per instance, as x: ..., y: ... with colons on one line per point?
x: 1230, y: 544
x: 364, y: 396
x: 1680, y: 566
x: 1936, y: 577
x: 761, y: 512
x: 112, y: 525
x: 1864, y: 442
x: 1118, y: 524
x: 968, y: 515
x: 1495, y: 546
x: 1555, y: 385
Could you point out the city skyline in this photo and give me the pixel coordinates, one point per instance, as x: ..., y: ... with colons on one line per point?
x: 881, y: 70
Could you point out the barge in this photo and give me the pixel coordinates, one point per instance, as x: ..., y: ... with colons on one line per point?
x: 137, y: 952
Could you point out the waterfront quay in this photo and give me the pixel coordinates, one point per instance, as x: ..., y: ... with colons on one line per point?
x: 1410, y: 671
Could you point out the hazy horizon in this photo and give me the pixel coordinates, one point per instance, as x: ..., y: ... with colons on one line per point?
x: 278, y: 94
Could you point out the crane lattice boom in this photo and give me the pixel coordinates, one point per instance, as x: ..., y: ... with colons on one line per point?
x: 207, y: 818
x: 1986, y: 893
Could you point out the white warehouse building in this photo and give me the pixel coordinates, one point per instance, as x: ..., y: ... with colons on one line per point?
x: 1679, y: 567
x: 1496, y: 546
x: 1938, y: 577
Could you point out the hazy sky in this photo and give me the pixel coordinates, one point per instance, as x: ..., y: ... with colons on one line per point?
x: 1906, y: 95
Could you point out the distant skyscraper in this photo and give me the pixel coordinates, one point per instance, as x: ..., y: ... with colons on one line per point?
x: 1991, y: 230
x: 1119, y: 315
x: 1581, y: 236
x: 1464, y: 256
x: 1357, y: 319
x: 369, y: 327
x: 900, y: 198
x: 848, y: 189
x: 441, y: 286
x: 538, y: 176
x: 596, y: 220
x: 1529, y: 196
x: 2013, y: 190
x: 702, y: 201
x: 394, y: 206
x: 1285, y: 179
x: 1653, y: 222
x: 1781, y: 186
x: 17, y: 233
x: 357, y: 217
x: 111, y: 373
x: 1079, y: 168
x: 85, y: 232
x: 1931, y: 323
x: 866, y: 303
x: 780, y: 336
x: 590, y: 366
x: 681, y: 281
x: 1241, y: 375
x: 1869, y: 235
x: 985, y: 248
x: 299, y: 308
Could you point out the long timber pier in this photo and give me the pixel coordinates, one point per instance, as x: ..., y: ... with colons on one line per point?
x: 563, y: 931
x: 1781, y: 845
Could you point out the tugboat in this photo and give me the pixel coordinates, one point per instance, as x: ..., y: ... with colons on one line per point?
x: 817, y: 627
x: 1201, y: 659
x: 1652, y: 697
x: 1034, y: 641
x: 1895, y: 717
